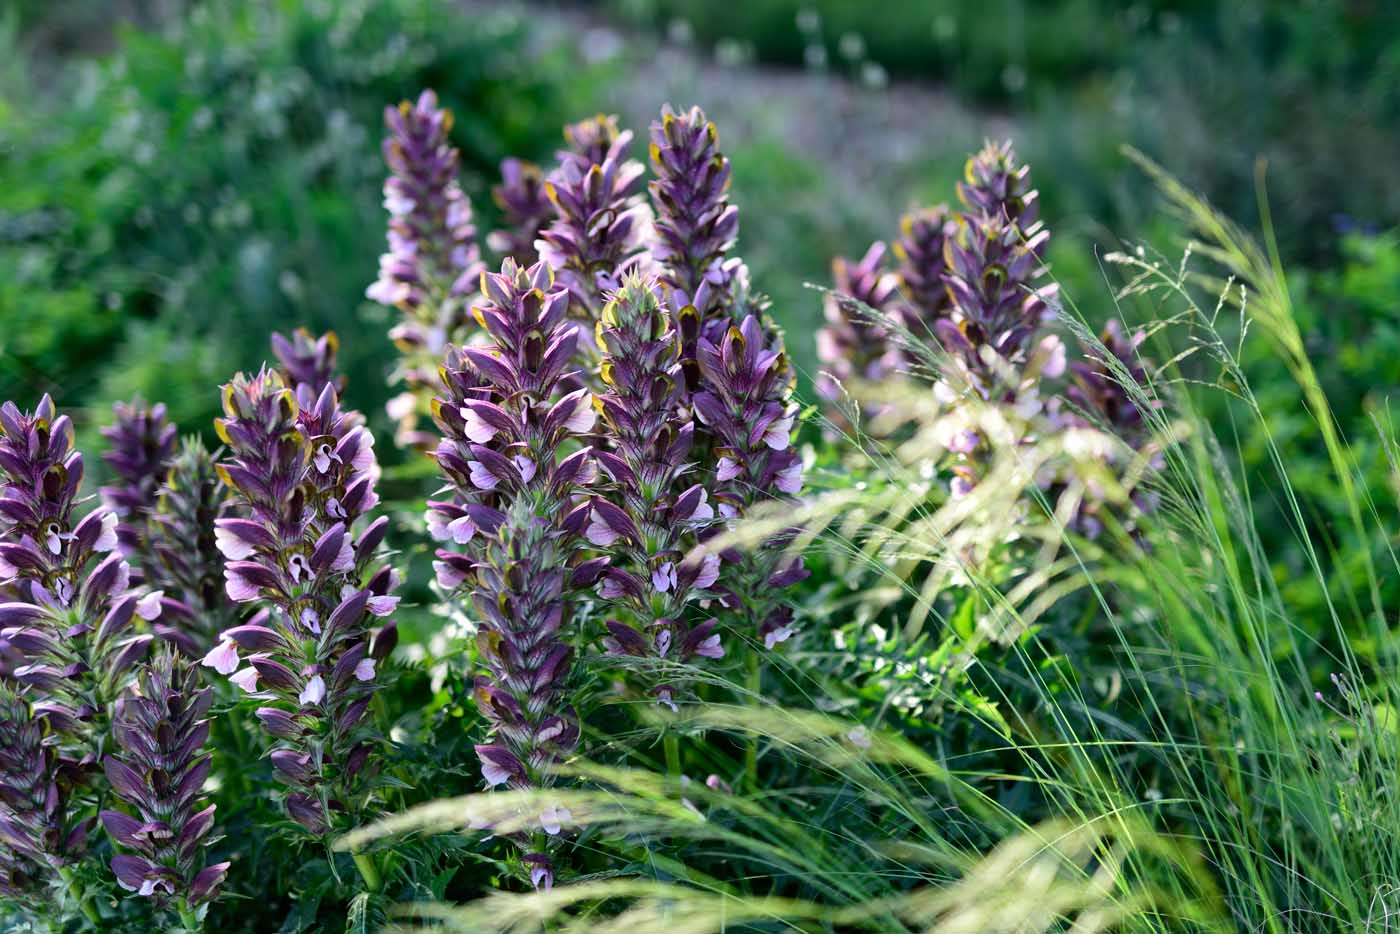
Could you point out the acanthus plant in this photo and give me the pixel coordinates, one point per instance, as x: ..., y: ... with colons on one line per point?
x: 516, y: 467
x: 525, y: 211
x: 71, y: 613
x: 167, y: 501
x: 431, y: 268
x: 301, y: 545
x: 652, y: 511
x: 158, y: 772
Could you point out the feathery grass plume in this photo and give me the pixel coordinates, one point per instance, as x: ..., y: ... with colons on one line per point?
x: 920, y: 251
x: 302, y: 471
x: 850, y: 345
x: 599, y: 215
x: 649, y: 515
x: 143, y: 442
x: 71, y: 605
x: 696, y: 226
x: 525, y: 211
x: 39, y: 834
x: 505, y: 454
x: 161, y: 730
x: 747, y: 407
x: 433, y: 262
x: 186, y: 564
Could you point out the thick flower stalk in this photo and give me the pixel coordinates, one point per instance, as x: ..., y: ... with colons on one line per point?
x: 850, y: 345
x: 302, y: 472
x: 599, y: 216
x: 433, y: 262
x: 924, y: 235
x: 525, y: 211
x: 161, y: 730
x: 38, y: 839
x: 747, y: 407
x: 143, y: 441
x: 71, y: 607
x: 648, y: 519
x: 513, y: 457
x: 185, y: 562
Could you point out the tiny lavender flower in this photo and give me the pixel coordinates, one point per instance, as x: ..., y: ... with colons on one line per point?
x: 599, y: 217
x: 747, y: 407
x: 505, y: 454
x: 142, y: 445
x: 160, y: 728
x: 525, y: 211
x: 433, y: 262
x: 303, y: 471
x: 649, y: 518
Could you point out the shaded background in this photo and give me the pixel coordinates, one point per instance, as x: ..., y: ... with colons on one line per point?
x: 177, y: 179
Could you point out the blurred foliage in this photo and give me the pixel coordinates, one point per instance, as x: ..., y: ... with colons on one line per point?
x: 165, y: 207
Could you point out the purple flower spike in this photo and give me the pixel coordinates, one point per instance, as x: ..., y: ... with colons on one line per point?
x: 651, y: 514
x: 309, y: 361
x: 996, y: 186
x: 525, y: 210
x: 747, y: 408
x: 599, y: 217
x: 433, y: 263
x: 923, y: 235
x: 71, y: 608
x: 516, y: 466
x: 161, y: 729
x: 850, y: 345
x: 143, y: 442
x: 302, y: 545
x: 36, y: 838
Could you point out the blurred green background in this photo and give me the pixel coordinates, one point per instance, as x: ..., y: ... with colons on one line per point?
x: 177, y: 179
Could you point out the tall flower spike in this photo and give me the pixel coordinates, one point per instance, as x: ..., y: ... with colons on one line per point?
x: 36, y: 838
x: 599, y: 217
x: 433, y: 262
x: 302, y: 471
x: 696, y: 226
x: 71, y: 606
x: 506, y: 456
x: 525, y: 211
x: 747, y: 407
x: 850, y: 345
x: 921, y: 266
x: 186, y: 564
x: 998, y: 308
x: 995, y: 185
x: 143, y: 442
x: 649, y: 518
x: 161, y: 728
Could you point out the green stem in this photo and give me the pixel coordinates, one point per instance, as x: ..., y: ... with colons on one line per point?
x: 755, y: 685
x: 75, y: 889
x: 672, y: 742
x: 190, y: 920
x: 369, y: 870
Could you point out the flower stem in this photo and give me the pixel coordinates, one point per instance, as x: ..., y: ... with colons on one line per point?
x: 190, y: 920
x: 75, y: 889
x: 754, y: 682
x: 672, y: 743
x: 369, y: 870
